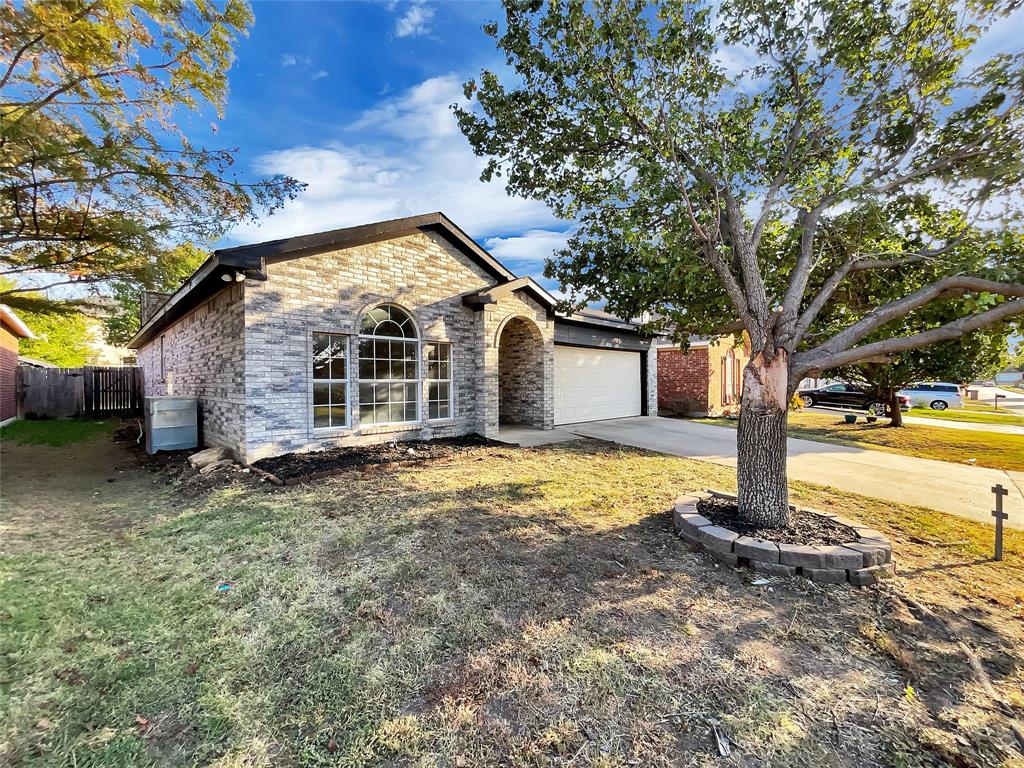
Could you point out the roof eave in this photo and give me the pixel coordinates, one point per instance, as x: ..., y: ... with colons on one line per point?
x: 15, y: 323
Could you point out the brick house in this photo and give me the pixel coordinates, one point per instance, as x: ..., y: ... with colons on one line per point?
x: 403, y: 329
x: 706, y: 380
x: 12, y: 330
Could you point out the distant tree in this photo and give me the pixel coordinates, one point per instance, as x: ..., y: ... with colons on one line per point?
x: 63, y: 333
x: 96, y: 171
x: 62, y: 338
x: 976, y: 355
x: 167, y: 271
x: 623, y: 117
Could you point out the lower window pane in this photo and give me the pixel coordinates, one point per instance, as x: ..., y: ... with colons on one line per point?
x: 433, y: 411
x: 443, y: 410
x: 337, y: 415
x: 321, y: 394
x: 321, y: 417
x: 410, y: 411
x: 337, y: 394
x: 396, y: 412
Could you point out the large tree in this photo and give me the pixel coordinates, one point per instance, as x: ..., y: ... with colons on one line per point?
x: 97, y: 172
x: 634, y: 120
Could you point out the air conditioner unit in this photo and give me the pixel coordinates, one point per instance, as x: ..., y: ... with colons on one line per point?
x: 171, y: 423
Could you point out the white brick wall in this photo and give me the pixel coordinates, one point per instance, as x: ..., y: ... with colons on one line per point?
x: 203, y: 356
x: 330, y: 292
x: 246, y: 353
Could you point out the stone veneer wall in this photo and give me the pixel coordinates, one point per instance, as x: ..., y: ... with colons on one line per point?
x: 652, y: 380
x: 496, y: 317
x: 202, y: 355
x: 330, y: 292
x: 520, y: 369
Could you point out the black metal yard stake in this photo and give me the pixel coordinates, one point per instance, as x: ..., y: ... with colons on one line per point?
x: 999, y: 515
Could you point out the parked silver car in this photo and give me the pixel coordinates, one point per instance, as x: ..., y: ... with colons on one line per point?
x: 937, y: 395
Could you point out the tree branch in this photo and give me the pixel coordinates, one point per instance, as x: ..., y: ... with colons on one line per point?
x: 814, y: 360
x: 876, y: 318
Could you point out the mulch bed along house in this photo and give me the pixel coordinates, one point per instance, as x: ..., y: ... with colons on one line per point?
x: 292, y: 468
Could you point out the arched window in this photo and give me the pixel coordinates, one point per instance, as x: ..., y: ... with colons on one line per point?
x: 388, y: 320
x: 388, y: 367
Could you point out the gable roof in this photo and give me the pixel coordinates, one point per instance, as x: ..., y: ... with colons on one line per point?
x: 347, y: 237
x: 225, y: 264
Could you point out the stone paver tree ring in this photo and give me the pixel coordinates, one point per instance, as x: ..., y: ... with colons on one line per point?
x: 864, y: 560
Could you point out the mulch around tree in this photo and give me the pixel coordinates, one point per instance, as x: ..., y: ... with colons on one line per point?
x: 805, y: 527
x: 295, y: 465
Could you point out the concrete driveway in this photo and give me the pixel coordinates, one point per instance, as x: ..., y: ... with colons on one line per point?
x: 954, y: 488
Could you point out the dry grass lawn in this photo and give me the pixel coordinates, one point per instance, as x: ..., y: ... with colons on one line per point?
x: 987, y: 449
x: 524, y: 608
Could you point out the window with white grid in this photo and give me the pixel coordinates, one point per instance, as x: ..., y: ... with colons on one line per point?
x: 330, y: 380
x: 439, y: 380
x: 388, y: 367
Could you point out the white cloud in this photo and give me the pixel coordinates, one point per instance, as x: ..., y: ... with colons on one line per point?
x: 415, y: 21
x: 533, y: 246
x: 294, y: 60
x: 321, y: 73
x: 406, y: 156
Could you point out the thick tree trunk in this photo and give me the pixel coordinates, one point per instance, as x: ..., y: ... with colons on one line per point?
x: 895, y: 414
x: 761, y: 442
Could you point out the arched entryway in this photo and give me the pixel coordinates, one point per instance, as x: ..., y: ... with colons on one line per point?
x: 521, y: 374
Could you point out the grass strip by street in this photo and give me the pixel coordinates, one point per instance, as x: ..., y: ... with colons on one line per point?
x: 969, y: 416
x: 527, y: 608
x: 987, y: 449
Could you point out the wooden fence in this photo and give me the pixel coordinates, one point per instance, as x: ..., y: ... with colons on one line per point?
x: 91, y: 392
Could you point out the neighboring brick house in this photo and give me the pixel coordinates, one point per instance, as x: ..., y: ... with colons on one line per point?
x: 706, y: 380
x: 404, y: 329
x: 12, y: 330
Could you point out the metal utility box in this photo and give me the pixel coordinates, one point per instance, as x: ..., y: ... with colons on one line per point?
x: 171, y: 423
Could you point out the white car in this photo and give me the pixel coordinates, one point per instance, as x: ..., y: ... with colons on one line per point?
x: 937, y: 395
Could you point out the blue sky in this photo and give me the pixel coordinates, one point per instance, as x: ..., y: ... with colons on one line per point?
x: 353, y: 99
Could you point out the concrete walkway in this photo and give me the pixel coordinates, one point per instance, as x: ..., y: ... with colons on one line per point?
x: 954, y: 488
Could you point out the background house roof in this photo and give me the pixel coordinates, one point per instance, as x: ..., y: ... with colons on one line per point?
x: 10, y: 320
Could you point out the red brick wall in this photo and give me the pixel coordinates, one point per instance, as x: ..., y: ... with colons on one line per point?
x: 8, y: 370
x: 683, y: 380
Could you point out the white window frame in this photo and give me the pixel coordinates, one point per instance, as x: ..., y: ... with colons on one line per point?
x: 428, y: 380
x: 417, y: 382
x: 346, y: 382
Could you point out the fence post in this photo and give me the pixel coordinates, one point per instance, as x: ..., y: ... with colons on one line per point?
x: 88, y: 391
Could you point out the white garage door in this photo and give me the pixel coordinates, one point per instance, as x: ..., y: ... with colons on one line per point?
x: 593, y: 384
